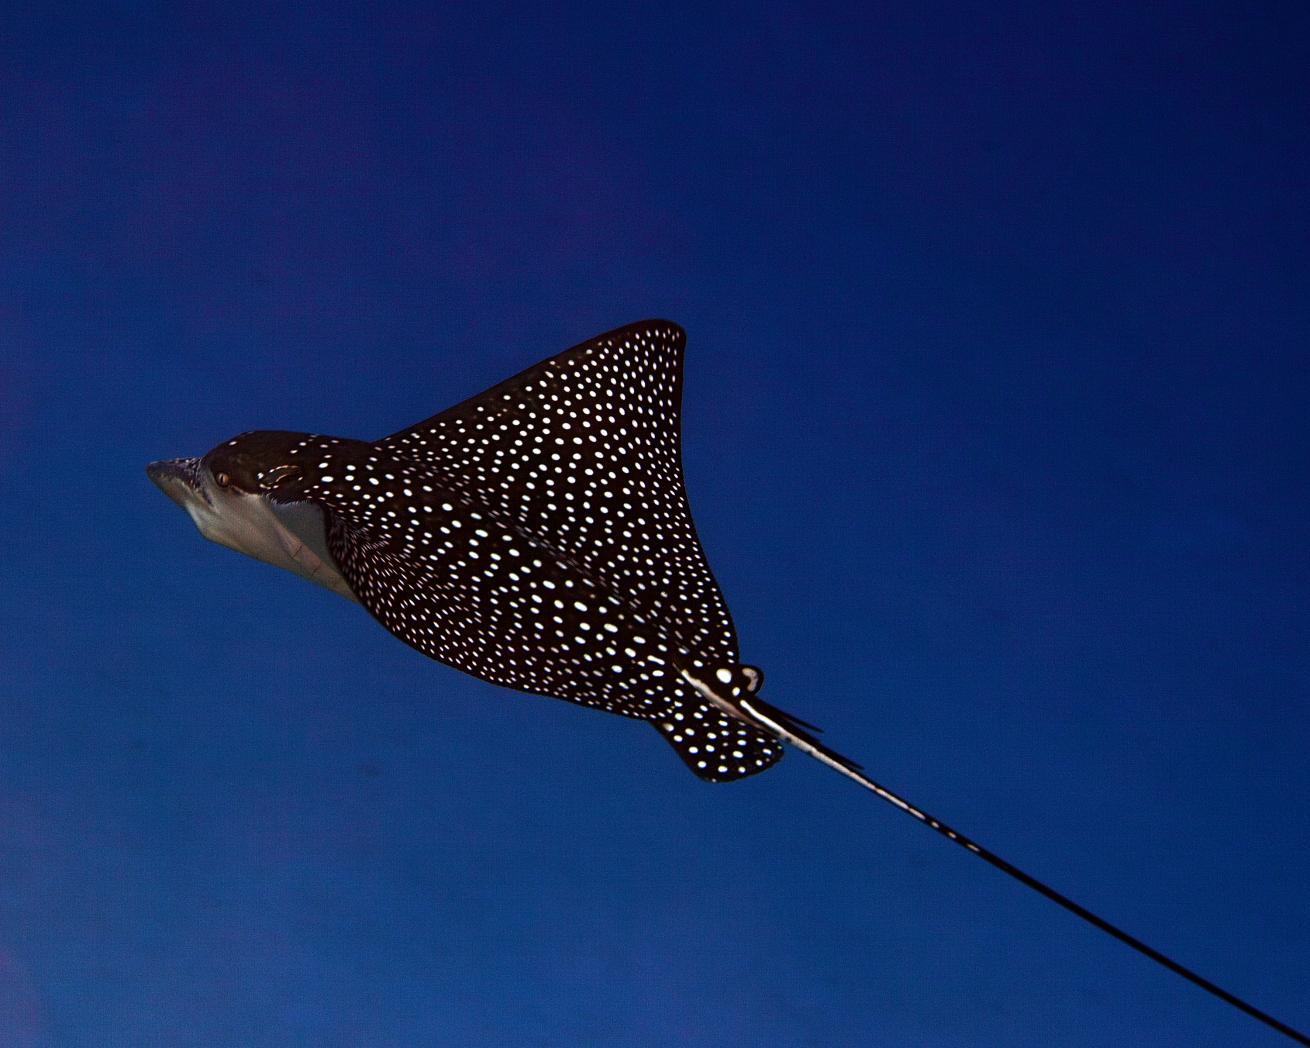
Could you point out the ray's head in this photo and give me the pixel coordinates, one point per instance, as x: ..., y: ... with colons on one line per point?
x: 217, y: 489
x: 256, y: 463
x: 260, y: 463
x: 256, y: 494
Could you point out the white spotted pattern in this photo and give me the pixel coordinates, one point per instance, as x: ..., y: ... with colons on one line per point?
x: 538, y: 536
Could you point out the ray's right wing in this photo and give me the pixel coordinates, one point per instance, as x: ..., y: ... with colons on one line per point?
x: 514, y: 614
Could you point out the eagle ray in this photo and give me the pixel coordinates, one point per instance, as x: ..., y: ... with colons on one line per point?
x: 538, y: 536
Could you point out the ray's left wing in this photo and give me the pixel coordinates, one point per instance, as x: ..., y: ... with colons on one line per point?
x: 584, y: 452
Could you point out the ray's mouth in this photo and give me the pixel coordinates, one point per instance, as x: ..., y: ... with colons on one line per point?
x: 179, y: 479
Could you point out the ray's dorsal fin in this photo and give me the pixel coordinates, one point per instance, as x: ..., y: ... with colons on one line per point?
x: 583, y: 450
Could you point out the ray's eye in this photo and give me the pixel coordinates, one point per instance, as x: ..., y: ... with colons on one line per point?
x: 222, y: 479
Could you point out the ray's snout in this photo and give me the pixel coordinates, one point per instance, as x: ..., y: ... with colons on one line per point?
x: 176, y: 478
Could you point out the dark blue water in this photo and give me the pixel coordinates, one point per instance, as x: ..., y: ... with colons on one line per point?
x: 996, y: 438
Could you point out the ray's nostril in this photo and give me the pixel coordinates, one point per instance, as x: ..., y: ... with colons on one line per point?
x: 162, y: 471
x: 172, y: 475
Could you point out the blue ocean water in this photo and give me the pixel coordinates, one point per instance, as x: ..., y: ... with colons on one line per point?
x: 995, y: 435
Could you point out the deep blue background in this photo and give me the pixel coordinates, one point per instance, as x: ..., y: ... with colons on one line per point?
x: 996, y: 434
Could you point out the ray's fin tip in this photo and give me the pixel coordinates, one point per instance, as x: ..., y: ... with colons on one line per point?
x: 675, y: 329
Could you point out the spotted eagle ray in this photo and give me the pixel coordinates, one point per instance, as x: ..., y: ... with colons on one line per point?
x: 538, y: 536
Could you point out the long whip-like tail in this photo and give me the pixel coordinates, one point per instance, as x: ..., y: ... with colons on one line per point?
x: 784, y: 727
